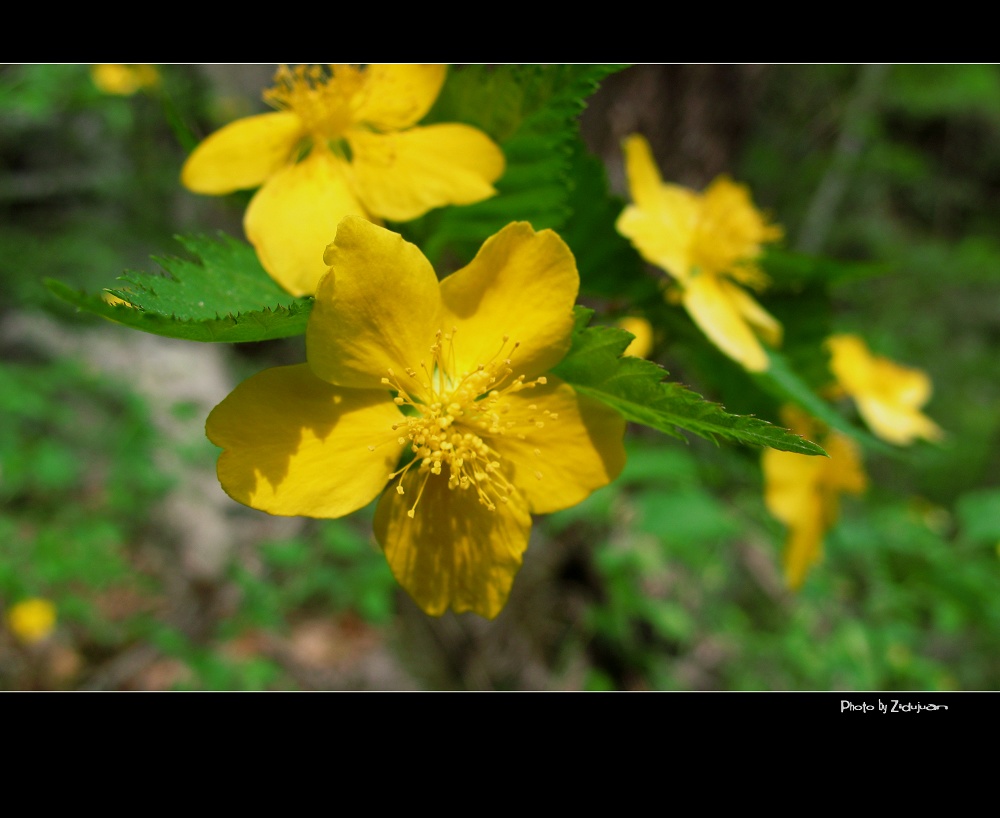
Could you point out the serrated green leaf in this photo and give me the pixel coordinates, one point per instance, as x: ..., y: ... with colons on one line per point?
x: 497, y: 99
x: 222, y: 294
x: 532, y: 112
x: 256, y: 325
x: 636, y: 388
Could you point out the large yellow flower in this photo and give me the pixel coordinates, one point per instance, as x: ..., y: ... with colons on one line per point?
x: 342, y: 142
x: 708, y: 243
x: 434, y: 392
x: 804, y: 492
x: 888, y: 396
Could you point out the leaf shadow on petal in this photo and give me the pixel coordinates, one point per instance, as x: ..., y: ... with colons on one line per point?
x: 294, y: 444
x: 454, y: 552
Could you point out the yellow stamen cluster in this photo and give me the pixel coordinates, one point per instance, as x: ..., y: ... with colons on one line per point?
x: 449, y: 433
x: 321, y: 95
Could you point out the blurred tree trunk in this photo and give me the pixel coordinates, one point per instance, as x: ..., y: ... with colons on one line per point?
x: 695, y: 116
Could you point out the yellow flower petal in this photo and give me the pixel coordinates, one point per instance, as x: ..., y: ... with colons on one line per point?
x: 377, y: 310
x: 396, y: 96
x: 662, y: 218
x: 793, y: 495
x: 521, y: 284
x: 850, y: 362
x: 761, y: 320
x: 294, y: 216
x: 803, y: 547
x: 888, y: 396
x: 859, y: 372
x: 804, y: 492
x: 243, y: 154
x: 910, y: 387
x: 644, y: 181
x: 711, y: 306
x: 578, y: 448
x: 294, y: 444
x: 400, y: 176
x: 790, y: 481
x: 109, y: 297
x: 844, y: 469
x: 896, y: 423
x: 454, y: 552
x: 729, y: 228
x: 642, y: 343
x: 665, y: 243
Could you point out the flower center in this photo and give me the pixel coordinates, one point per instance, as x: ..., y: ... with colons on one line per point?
x: 449, y: 434
x: 322, y: 96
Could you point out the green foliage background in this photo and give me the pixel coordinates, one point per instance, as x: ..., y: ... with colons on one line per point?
x: 886, y: 180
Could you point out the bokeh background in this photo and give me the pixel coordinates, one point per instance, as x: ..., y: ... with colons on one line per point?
x: 143, y: 575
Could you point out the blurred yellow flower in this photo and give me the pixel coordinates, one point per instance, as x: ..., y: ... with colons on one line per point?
x: 642, y: 344
x: 124, y: 79
x: 708, y: 242
x: 888, y: 396
x: 109, y: 297
x: 32, y: 620
x: 804, y: 492
x: 342, y: 142
x: 434, y: 392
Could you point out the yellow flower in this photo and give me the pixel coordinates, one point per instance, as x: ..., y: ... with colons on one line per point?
x: 708, y: 242
x: 342, y: 142
x: 804, y: 492
x: 435, y: 392
x: 122, y: 79
x: 642, y: 344
x: 32, y: 620
x: 888, y: 396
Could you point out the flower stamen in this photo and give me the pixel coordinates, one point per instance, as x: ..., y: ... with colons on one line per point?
x: 322, y: 96
x: 449, y: 434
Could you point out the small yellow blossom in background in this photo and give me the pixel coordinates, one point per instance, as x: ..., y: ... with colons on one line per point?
x: 888, y: 396
x: 32, y: 620
x: 434, y: 395
x: 123, y: 79
x: 342, y: 142
x: 804, y: 492
x: 642, y: 344
x: 708, y: 242
x: 109, y: 297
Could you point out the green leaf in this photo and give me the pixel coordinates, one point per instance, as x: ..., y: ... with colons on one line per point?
x: 221, y: 295
x: 532, y: 112
x: 951, y: 90
x: 790, y: 270
x: 979, y: 515
x: 635, y: 387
